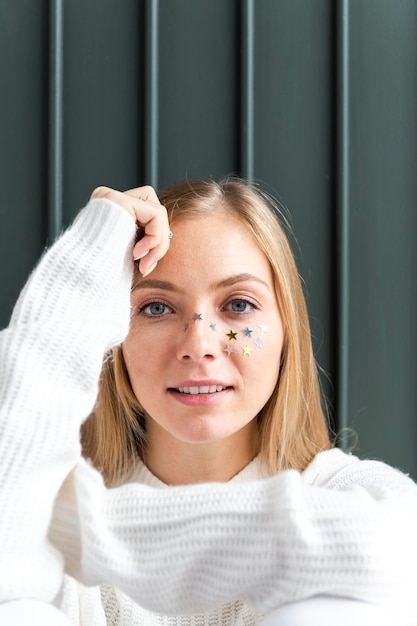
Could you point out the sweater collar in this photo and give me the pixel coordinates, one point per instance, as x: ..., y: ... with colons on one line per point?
x: 253, y: 471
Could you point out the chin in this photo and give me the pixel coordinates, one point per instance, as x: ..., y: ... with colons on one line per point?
x: 207, y: 435
x: 202, y: 437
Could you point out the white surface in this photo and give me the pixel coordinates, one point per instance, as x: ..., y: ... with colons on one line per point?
x: 322, y: 611
x: 31, y: 613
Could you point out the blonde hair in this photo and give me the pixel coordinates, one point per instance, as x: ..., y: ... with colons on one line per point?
x: 292, y: 424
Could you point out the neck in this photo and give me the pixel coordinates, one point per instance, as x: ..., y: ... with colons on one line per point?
x: 177, y: 462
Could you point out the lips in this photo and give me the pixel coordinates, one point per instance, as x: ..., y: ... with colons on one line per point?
x: 197, y: 389
x: 200, y: 394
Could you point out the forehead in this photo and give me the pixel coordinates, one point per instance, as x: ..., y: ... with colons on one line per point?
x: 211, y: 248
x: 218, y: 234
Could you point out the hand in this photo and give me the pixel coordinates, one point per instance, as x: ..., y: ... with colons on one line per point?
x: 143, y: 205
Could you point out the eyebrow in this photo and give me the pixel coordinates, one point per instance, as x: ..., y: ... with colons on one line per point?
x: 240, y: 278
x: 151, y: 283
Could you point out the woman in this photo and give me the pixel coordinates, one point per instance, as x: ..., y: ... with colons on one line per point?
x: 224, y: 231
x: 212, y: 380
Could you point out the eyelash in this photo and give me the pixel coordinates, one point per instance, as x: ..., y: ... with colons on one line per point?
x: 143, y: 308
x: 252, y: 306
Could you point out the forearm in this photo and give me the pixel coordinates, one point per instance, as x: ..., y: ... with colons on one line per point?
x: 184, y: 550
x: 73, y: 308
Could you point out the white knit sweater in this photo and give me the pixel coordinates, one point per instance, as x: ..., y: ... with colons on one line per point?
x: 344, y: 527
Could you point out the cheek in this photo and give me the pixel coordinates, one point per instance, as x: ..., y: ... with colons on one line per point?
x: 147, y: 356
x: 140, y: 342
x: 138, y: 356
x: 267, y: 359
x: 140, y: 370
x: 258, y: 345
x: 130, y: 348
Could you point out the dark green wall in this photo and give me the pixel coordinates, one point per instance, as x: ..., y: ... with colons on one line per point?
x: 316, y: 99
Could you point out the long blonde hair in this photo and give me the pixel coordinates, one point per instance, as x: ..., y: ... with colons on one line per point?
x: 292, y: 424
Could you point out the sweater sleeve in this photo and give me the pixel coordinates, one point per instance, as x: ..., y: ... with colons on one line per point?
x: 74, y: 307
x: 187, y: 549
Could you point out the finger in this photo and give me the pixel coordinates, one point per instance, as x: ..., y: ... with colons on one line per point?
x: 143, y: 205
x: 129, y: 199
x: 146, y: 193
x: 155, y: 224
x: 118, y: 197
x: 155, y: 241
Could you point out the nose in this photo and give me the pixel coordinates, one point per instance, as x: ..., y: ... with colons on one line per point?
x: 198, y: 341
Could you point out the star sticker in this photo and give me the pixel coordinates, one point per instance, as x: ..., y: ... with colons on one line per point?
x: 213, y: 326
x: 263, y: 327
x: 197, y: 317
x: 185, y: 327
x: 259, y: 343
x: 247, y: 332
x: 229, y: 349
x: 231, y: 335
x: 246, y: 350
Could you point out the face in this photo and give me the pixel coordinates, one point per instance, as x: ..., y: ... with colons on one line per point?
x: 204, y: 347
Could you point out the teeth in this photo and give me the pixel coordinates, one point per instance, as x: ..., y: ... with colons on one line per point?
x: 202, y: 389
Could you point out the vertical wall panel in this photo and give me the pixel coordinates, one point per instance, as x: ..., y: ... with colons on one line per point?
x: 342, y: 216
x: 103, y: 89
x: 294, y: 143
x: 151, y: 93
x: 56, y: 118
x: 247, y: 91
x: 199, y: 76
x: 383, y: 257
x: 23, y: 143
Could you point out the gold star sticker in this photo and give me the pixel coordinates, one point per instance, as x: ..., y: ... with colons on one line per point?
x: 246, y: 350
x: 231, y: 335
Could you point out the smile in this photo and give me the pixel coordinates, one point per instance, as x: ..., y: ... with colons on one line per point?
x: 201, y: 389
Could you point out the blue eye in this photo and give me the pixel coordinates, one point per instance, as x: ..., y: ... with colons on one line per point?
x: 240, y: 305
x: 155, y: 309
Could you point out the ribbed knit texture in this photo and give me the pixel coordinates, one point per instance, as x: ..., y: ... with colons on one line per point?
x: 106, y: 606
x: 344, y: 527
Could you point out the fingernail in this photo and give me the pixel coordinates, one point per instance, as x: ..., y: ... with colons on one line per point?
x: 150, y: 269
x: 140, y: 256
